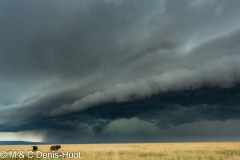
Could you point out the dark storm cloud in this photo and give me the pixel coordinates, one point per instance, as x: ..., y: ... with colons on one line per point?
x: 164, y: 110
x: 81, y: 65
x: 175, y: 108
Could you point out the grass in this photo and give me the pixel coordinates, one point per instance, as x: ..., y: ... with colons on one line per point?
x: 144, y: 151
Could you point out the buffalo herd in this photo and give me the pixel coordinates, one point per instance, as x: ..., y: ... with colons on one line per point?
x: 52, y: 148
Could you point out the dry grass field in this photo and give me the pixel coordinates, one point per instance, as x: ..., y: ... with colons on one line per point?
x: 146, y: 151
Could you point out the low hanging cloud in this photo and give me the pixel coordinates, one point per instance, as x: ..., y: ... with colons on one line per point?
x: 83, y: 65
x: 221, y: 73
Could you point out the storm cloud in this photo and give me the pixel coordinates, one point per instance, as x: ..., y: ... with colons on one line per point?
x: 81, y: 66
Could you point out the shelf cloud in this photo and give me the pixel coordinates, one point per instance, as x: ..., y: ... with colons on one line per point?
x: 82, y: 66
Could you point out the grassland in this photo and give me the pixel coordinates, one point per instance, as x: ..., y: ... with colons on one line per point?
x: 146, y: 151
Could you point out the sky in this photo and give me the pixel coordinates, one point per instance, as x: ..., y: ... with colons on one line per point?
x: 94, y: 71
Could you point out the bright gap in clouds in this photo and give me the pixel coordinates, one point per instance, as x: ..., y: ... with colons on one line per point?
x: 30, y: 136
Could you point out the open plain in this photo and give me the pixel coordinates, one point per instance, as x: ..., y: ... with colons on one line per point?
x: 145, y: 151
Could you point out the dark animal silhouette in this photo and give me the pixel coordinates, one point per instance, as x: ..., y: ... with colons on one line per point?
x: 34, y: 148
x: 55, y: 148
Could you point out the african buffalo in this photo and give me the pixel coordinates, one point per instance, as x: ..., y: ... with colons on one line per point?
x: 34, y: 148
x: 55, y: 148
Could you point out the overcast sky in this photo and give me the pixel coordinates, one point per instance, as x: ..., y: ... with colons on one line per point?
x: 119, y: 70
